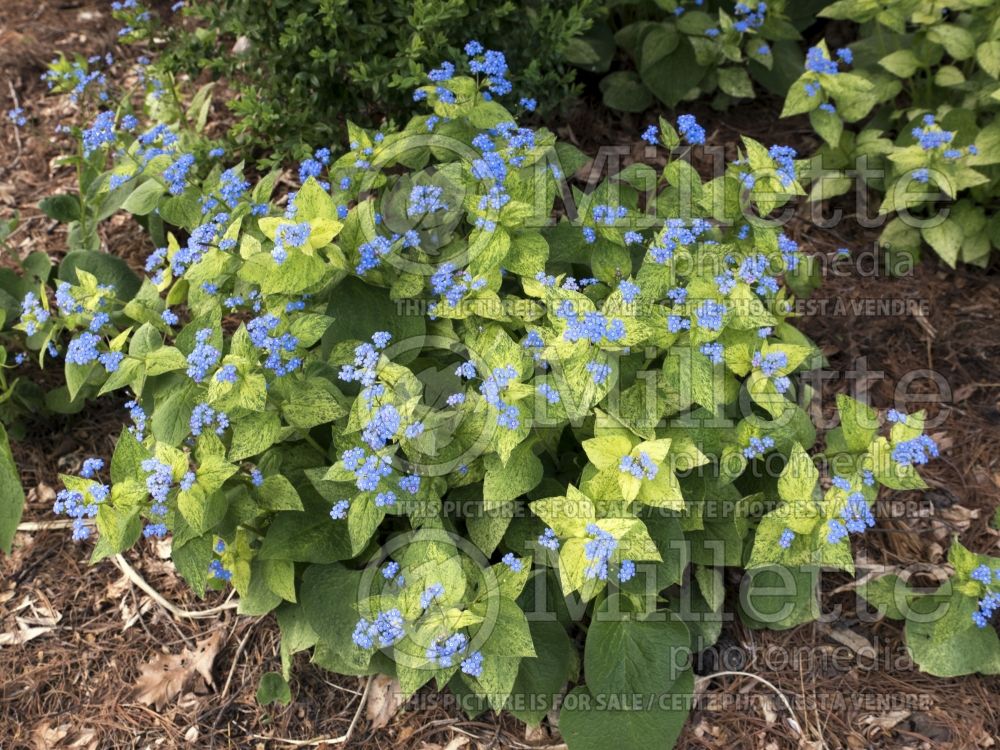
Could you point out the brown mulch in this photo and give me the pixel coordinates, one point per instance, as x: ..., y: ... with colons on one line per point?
x: 73, y: 685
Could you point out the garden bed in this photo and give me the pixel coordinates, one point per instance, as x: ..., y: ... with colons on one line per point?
x: 74, y: 684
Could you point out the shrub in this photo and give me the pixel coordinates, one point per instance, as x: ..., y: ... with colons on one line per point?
x: 304, y: 68
x: 924, y: 86
x: 679, y: 52
x: 446, y: 432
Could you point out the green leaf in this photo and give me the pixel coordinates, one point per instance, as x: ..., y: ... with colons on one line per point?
x: 273, y: 688
x: 903, y: 63
x: 279, y: 576
x: 798, y: 479
x: 506, y: 481
x: 959, y: 42
x: 859, y: 423
x: 360, y: 310
x: 624, y: 655
x: 64, y: 208
x: 988, y: 57
x: 946, y: 238
x: 118, y: 529
x: 598, y: 722
x: 144, y: 198
x: 540, y: 679
x: 943, y: 639
x: 11, y: 494
x: 256, y: 596
x: 328, y: 594
x: 192, y: 559
x: 277, y: 493
x: 735, y: 82
x: 624, y: 90
x: 672, y: 77
x: 171, y: 418
x: 828, y: 125
x: 109, y: 269
x: 311, y: 404
x: 254, y: 434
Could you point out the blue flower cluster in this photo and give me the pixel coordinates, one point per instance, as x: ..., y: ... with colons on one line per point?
x: 786, y: 538
x: 915, y: 451
x: 644, y: 468
x: 677, y: 234
x: 453, y: 285
x: 689, y: 128
x: 492, y: 387
x: 757, y: 447
x: 748, y: 18
x: 159, y: 481
x: 817, y: 61
x: 715, y: 352
x: 548, y: 539
x: 287, y: 236
x: 261, y: 331
x: 203, y: 357
x: 205, y: 417
x: 425, y: 199
x: 591, y: 326
x: 855, y: 518
x: 387, y: 628
x: 710, y: 315
x: 769, y: 364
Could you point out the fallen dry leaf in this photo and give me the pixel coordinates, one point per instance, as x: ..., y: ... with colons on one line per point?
x: 384, y: 699
x: 887, y: 721
x: 165, y: 675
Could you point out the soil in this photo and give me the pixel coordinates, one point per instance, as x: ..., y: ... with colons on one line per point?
x: 850, y: 685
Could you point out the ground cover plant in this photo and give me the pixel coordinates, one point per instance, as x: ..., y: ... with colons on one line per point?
x: 301, y: 69
x: 920, y: 84
x: 454, y: 413
x: 682, y: 51
x: 448, y: 428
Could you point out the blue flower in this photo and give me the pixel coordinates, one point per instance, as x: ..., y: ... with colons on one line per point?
x: 626, y: 571
x: 757, y: 447
x: 83, y: 349
x: 432, y: 593
x: 473, y: 664
x: 688, y: 127
x: 548, y: 539
x: 551, y: 394
x: 100, y: 133
x: 91, y: 466
x: 714, y: 351
x: 987, y: 606
x: 203, y: 357
x: 339, y: 510
x: 915, y: 451
x: 598, y: 552
x: 983, y: 574
x: 651, y: 135
x: 787, y: 536
x: 443, y: 652
x: 710, y: 315
x: 512, y: 562
x: 387, y: 628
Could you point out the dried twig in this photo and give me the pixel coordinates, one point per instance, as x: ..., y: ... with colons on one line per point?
x: 44, y: 525
x: 343, y: 739
x: 156, y: 596
x: 17, y: 134
x: 795, y: 724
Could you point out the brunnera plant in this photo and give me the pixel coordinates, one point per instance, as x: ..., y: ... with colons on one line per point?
x: 687, y: 50
x: 454, y: 419
x: 924, y: 87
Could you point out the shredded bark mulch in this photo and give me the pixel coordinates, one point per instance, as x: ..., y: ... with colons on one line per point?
x: 846, y: 678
